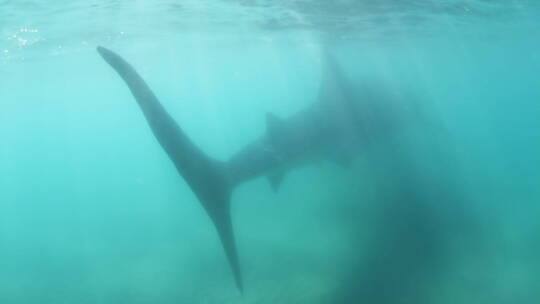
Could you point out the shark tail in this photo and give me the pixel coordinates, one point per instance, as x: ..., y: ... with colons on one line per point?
x: 208, y: 178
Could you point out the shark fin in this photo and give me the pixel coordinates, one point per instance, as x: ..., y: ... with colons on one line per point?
x: 275, y: 180
x: 274, y: 125
x: 207, y: 178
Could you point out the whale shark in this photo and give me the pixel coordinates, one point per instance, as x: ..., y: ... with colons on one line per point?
x: 336, y: 127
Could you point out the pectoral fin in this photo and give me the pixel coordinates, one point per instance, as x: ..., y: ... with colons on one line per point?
x: 275, y: 180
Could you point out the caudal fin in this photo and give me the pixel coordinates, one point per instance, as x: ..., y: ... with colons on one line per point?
x: 207, y: 177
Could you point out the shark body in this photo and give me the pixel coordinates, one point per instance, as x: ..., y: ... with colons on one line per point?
x: 333, y: 127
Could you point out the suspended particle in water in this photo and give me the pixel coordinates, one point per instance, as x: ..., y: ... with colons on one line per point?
x: 22, y: 42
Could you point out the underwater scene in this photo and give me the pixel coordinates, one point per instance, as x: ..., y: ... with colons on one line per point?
x: 258, y: 151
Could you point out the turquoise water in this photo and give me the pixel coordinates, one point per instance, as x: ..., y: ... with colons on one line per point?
x: 93, y: 211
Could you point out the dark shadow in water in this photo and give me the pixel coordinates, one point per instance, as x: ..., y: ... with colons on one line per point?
x: 420, y: 219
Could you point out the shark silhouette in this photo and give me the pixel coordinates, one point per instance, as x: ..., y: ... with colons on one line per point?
x: 334, y: 127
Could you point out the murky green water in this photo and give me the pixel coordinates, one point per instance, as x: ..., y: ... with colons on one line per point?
x: 444, y: 211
